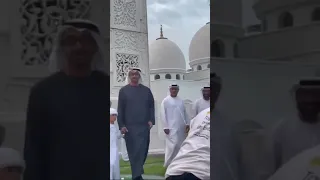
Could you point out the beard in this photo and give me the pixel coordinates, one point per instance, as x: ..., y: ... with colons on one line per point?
x: 206, y: 97
x: 309, y: 115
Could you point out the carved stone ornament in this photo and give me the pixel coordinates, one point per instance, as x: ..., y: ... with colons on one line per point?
x: 125, y: 13
x: 128, y: 41
x: 39, y: 22
x: 123, y: 63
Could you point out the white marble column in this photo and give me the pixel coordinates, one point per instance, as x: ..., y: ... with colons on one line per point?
x: 128, y: 40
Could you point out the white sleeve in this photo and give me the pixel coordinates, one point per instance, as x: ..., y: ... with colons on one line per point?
x: 119, y: 135
x: 194, y: 109
x: 192, y: 123
x: 195, y: 120
x: 163, y: 115
x: 186, y: 116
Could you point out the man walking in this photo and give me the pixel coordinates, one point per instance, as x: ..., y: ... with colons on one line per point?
x: 67, y: 118
x: 202, y: 103
x: 136, y: 116
x: 174, y: 117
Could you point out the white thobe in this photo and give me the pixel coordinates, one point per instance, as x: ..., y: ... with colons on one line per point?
x: 199, y: 105
x: 174, y: 118
x: 114, y: 153
x: 124, y: 152
x: 194, y: 154
x: 303, y: 166
x: 291, y: 137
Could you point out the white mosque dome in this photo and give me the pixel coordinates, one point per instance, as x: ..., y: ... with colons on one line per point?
x: 200, y: 44
x: 165, y: 54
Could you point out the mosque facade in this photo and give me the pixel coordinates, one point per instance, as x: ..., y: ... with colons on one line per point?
x: 258, y: 64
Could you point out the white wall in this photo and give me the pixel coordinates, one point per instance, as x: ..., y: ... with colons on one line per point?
x: 287, y: 44
x: 258, y: 90
x: 193, y: 76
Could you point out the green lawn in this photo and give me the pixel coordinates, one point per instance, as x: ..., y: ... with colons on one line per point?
x: 153, y: 166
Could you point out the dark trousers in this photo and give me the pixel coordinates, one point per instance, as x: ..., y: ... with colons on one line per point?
x: 184, y: 176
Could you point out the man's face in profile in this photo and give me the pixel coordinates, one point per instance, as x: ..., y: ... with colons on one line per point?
x: 11, y: 173
x: 308, y: 104
x: 78, y: 46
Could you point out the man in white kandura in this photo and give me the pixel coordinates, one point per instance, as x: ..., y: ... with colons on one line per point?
x: 115, y: 135
x: 202, y: 103
x: 301, y: 130
x: 193, y: 159
x: 174, y: 117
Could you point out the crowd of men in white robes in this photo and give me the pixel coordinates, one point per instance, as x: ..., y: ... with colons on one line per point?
x: 176, y: 121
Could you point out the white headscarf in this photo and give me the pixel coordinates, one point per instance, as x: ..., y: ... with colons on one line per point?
x: 128, y: 80
x: 10, y: 158
x: 205, y: 87
x: 113, y: 111
x: 57, y: 58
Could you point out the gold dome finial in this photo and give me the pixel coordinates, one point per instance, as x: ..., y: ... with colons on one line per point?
x: 161, y: 33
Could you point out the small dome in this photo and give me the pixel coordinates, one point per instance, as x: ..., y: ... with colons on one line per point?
x: 200, y: 44
x: 165, y: 54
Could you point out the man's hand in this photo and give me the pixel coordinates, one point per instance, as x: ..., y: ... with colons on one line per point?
x: 167, y: 131
x: 187, y: 129
x: 150, y: 124
x: 124, y: 130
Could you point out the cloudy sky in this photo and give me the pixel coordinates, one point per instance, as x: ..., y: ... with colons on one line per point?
x: 180, y: 19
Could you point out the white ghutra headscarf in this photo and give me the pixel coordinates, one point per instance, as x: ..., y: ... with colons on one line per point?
x: 113, y: 111
x: 128, y: 80
x: 57, y: 58
x: 10, y: 158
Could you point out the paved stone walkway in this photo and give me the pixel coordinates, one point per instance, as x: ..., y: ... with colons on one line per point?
x: 147, y: 177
